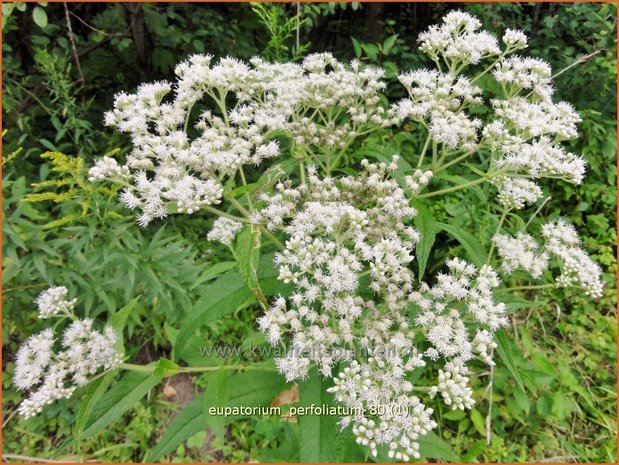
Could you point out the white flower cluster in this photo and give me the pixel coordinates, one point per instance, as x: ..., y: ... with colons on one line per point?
x: 458, y: 40
x: 347, y: 235
x: 441, y: 318
x: 525, y: 73
x: 514, y: 38
x: 441, y: 98
x: 339, y: 228
x: 53, y: 301
x: 379, y: 386
x: 537, y: 126
x: 521, y: 253
x: 527, y: 128
x: 224, y: 230
x: 562, y: 242
x: 51, y: 375
x: 514, y: 193
x: 349, y: 244
x: 172, y: 169
x: 108, y: 168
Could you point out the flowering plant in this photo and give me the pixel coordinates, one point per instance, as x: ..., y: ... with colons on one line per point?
x: 285, y: 156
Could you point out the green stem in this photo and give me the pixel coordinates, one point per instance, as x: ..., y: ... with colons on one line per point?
x: 577, y: 62
x: 239, y: 207
x: 423, y: 151
x: 224, y: 214
x: 455, y: 160
x: 454, y: 188
x: 276, y: 242
x: 244, y: 181
x: 336, y: 162
x: 302, y: 172
x: 151, y: 368
x: 498, y: 229
x: 507, y: 51
x: 187, y: 118
x: 489, y: 416
x: 531, y: 287
x: 132, y: 367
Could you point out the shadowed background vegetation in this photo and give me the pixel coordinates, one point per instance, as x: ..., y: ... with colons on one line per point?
x: 62, y: 65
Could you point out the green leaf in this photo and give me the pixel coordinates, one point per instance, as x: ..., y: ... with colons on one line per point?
x: 389, y: 43
x: 513, y: 301
x: 476, y: 252
x: 434, y: 447
x: 522, y: 400
x: 165, y: 367
x: 40, y: 17
x: 425, y: 224
x: 118, y: 320
x: 7, y: 9
x: 356, y: 46
x: 505, y: 352
x: 288, y: 448
x: 478, y: 422
x: 118, y: 400
x: 371, y: 51
x: 226, y: 295
x: 318, y: 432
x: 254, y: 387
x: 93, y: 394
x: 544, y: 405
x: 184, y: 425
x: 216, y: 395
x: 247, y: 252
x: 246, y: 389
x: 212, y: 272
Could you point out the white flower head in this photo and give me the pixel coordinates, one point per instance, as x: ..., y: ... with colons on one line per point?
x: 578, y: 269
x: 515, y: 39
x: 53, y: 301
x: 521, y: 253
x: 224, y: 230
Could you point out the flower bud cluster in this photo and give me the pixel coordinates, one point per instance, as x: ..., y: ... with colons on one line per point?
x: 515, y: 193
x: 386, y: 413
x: 108, y: 168
x: 454, y: 388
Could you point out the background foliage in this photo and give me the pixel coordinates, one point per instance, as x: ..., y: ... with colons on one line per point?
x: 58, y: 228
